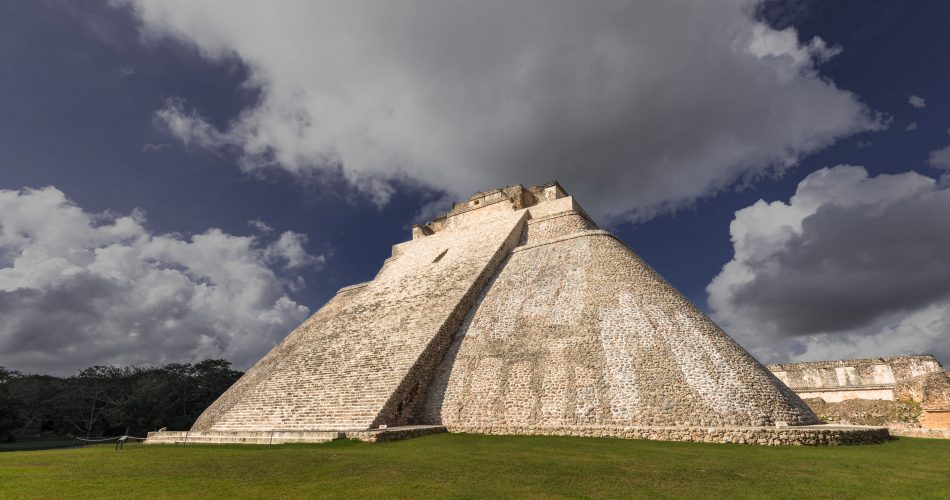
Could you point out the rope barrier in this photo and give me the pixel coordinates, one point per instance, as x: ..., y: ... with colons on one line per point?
x: 119, y: 440
x: 96, y: 440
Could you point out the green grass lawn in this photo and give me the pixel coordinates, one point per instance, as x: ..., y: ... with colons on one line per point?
x: 38, y: 444
x: 469, y: 466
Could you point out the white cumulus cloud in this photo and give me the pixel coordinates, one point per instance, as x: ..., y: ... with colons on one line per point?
x: 940, y: 158
x: 637, y: 107
x: 917, y: 101
x: 78, y: 288
x: 289, y: 250
x: 850, y: 266
x: 260, y: 226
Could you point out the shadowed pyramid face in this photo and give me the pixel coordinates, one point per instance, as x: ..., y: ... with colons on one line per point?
x: 512, y: 312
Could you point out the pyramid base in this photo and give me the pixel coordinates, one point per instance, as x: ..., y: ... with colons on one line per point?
x: 805, y: 435
x: 284, y: 437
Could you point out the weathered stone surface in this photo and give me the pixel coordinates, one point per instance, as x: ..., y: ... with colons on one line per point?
x: 840, y: 380
x: 932, y: 392
x: 943, y: 433
x: 918, y: 406
x: 879, y: 412
x: 808, y: 435
x: 247, y: 437
x: 514, y: 314
x: 578, y: 331
x: 364, y: 358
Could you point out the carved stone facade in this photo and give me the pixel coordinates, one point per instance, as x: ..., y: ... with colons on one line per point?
x: 840, y: 380
x: 515, y: 314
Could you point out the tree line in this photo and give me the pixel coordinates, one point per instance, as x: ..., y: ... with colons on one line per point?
x: 109, y: 400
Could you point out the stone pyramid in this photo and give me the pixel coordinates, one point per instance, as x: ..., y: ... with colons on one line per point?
x: 513, y: 313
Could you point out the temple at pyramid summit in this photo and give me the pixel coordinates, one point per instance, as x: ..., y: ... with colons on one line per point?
x: 512, y: 314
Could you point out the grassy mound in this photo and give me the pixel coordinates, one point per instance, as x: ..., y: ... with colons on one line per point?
x: 468, y: 466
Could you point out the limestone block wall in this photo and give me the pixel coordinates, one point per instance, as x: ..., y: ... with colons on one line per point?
x: 557, y: 224
x: 577, y: 332
x: 836, y: 381
x: 820, y: 435
x: 845, y: 394
x: 362, y: 359
x: 479, y: 206
x: 932, y: 391
x: 935, y: 419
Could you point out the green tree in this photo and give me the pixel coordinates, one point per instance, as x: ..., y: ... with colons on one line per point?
x: 109, y: 400
x: 10, y: 419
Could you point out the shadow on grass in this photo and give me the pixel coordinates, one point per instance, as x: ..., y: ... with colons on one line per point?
x: 38, y: 444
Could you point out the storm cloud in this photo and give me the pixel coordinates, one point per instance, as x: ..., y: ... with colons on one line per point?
x: 851, y: 265
x: 637, y: 107
x: 78, y: 289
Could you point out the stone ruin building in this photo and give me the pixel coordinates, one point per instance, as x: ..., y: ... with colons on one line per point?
x: 840, y: 380
x: 920, y: 379
x: 512, y: 314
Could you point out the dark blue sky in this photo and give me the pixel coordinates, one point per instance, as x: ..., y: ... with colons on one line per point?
x: 72, y: 119
x: 882, y: 62
x: 80, y: 87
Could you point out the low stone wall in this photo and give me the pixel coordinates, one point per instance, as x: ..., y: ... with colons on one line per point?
x: 810, y: 435
x: 918, y: 432
x: 395, y: 433
x: 244, y: 437
x: 283, y: 437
